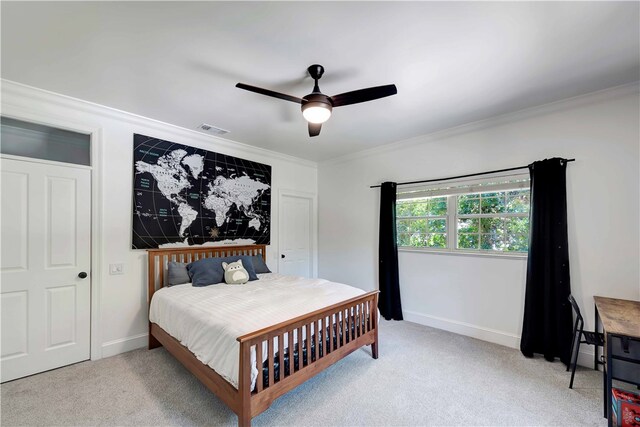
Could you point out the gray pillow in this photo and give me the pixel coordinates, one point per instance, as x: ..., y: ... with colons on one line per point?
x: 209, y: 271
x: 259, y: 265
x: 177, y: 273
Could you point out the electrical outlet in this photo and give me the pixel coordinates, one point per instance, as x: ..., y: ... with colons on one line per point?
x: 116, y: 269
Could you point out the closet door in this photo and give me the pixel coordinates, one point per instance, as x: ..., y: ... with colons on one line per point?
x: 44, y: 266
x: 295, y: 235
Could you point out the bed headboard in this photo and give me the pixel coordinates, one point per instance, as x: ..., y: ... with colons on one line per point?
x: 159, y: 259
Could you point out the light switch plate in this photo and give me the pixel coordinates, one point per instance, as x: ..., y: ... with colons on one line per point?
x: 116, y: 269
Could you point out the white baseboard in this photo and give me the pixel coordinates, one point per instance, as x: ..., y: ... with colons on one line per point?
x: 585, y: 358
x: 122, y: 345
x: 462, y: 328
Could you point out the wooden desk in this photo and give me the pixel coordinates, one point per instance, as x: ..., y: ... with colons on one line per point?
x: 620, y: 321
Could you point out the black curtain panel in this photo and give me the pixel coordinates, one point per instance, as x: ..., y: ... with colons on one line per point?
x: 547, y: 324
x: 389, y: 298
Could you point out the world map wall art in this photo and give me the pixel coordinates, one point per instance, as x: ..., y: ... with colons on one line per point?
x: 188, y: 196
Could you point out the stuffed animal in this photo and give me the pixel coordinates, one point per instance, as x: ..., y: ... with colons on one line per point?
x: 235, y: 273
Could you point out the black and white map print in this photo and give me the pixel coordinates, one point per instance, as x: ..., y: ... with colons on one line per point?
x: 188, y: 196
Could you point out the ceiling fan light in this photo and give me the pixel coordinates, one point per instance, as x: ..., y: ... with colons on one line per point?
x: 316, y: 112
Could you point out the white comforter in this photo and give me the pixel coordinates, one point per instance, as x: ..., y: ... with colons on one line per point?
x: 208, y: 320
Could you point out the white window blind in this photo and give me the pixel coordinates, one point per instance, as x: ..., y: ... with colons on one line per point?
x: 484, y: 185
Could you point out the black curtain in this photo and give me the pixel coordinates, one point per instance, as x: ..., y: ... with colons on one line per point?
x: 547, y: 325
x: 389, y: 284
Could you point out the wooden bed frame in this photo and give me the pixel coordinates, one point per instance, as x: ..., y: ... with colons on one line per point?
x: 356, y: 325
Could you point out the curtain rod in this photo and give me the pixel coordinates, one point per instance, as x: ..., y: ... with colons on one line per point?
x: 466, y: 176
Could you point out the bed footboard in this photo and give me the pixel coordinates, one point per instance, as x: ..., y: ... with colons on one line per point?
x: 299, y: 348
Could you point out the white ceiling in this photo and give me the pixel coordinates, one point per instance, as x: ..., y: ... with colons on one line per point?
x: 453, y: 62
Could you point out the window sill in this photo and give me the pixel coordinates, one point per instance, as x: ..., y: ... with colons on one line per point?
x: 519, y: 256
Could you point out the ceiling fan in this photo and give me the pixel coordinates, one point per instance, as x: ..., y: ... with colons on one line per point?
x: 316, y: 107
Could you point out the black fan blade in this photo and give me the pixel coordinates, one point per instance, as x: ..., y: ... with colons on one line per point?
x: 314, y: 129
x: 363, y: 95
x: 269, y: 93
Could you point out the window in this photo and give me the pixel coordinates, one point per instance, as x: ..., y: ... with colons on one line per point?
x: 422, y: 223
x: 493, y: 221
x: 487, y: 216
x: 44, y: 142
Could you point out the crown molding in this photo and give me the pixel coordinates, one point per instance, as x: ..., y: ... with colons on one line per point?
x: 21, y: 96
x: 552, y: 107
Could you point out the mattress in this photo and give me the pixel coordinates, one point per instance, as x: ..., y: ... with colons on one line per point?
x: 208, y: 320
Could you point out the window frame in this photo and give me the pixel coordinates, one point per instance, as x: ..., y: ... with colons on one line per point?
x: 453, y: 216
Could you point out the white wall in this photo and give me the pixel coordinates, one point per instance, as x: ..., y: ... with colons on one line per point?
x: 484, y: 296
x: 123, y: 299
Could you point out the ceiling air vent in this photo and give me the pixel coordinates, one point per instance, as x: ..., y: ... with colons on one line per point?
x: 212, y: 129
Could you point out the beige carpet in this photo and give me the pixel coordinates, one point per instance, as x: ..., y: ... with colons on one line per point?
x: 424, y: 376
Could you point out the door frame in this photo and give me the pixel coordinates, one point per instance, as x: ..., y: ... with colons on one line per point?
x: 96, y: 147
x: 313, y: 229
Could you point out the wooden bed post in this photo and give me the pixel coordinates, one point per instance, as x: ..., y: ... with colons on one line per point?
x: 244, y: 386
x: 374, y: 321
x: 151, y: 288
x: 153, y: 341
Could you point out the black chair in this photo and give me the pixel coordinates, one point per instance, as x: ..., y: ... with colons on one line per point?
x: 590, y: 338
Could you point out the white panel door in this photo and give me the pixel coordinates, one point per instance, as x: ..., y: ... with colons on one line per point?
x: 295, y: 235
x: 46, y: 244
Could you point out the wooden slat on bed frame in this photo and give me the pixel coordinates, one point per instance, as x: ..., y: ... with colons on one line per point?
x: 355, y: 320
